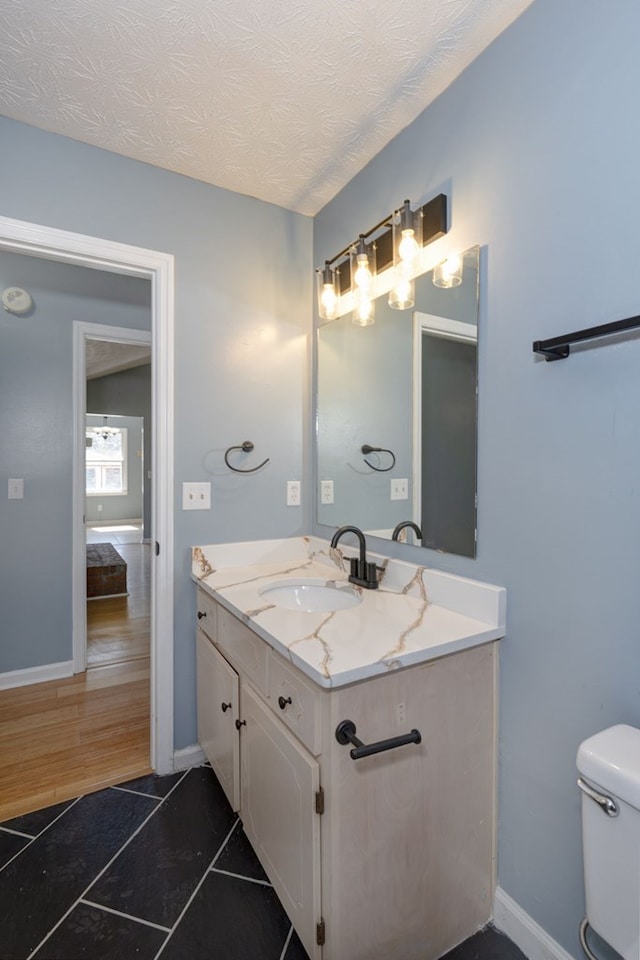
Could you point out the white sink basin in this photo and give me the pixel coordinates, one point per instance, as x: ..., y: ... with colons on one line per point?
x: 310, y: 595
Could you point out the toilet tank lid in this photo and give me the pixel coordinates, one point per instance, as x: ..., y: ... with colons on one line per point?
x: 611, y: 759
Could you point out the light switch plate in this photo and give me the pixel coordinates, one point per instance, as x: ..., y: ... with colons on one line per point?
x: 196, y: 496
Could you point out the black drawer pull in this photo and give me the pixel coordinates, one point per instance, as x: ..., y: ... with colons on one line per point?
x: 225, y: 707
x: 282, y: 703
x: 201, y: 614
x: 346, y: 733
x: 239, y: 724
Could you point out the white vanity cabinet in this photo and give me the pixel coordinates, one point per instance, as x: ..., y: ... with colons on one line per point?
x: 388, y: 857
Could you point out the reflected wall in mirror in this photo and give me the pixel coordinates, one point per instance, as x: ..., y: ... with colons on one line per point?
x: 407, y: 385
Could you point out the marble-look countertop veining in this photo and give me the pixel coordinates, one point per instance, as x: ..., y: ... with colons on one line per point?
x: 416, y: 614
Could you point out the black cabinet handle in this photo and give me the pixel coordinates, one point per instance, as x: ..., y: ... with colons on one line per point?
x: 201, y: 614
x: 346, y: 733
x: 225, y: 707
x: 240, y: 723
x: 282, y: 703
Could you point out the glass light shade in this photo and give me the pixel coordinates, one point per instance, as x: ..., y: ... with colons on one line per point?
x: 327, y: 293
x: 402, y: 295
x: 407, y: 243
x: 363, y: 271
x: 448, y: 273
x: 364, y: 312
x: 407, y: 236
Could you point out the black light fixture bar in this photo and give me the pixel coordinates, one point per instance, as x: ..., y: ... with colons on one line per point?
x: 557, y: 348
x: 434, y: 225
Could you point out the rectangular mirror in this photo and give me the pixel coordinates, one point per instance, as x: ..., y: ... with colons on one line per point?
x: 405, y: 389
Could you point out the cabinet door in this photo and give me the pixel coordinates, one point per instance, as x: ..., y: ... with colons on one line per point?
x: 218, y: 696
x: 277, y: 805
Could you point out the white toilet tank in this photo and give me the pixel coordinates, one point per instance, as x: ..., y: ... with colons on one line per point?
x: 609, y: 764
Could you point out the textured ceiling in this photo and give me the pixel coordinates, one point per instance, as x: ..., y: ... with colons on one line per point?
x: 104, y: 357
x: 284, y: 100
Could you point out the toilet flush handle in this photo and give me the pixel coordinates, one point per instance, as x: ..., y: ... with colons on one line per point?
x: 609, y: 806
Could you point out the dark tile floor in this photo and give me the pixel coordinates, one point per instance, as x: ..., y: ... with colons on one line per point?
x: 158, y: 867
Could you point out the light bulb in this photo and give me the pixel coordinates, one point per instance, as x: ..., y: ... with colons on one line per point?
x: 363, y: 278
x: 448, y: 273
x: 327, y: 296
x: 408, y: 249
x: 402, y: 295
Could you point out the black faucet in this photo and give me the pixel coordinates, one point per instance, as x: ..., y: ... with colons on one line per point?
x: 407, y: 523
x: 363, y: 573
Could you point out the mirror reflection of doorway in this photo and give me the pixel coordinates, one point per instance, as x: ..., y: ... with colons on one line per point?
x: 445, y: 451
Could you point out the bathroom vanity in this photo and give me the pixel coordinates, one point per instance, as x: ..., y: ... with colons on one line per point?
x: 390, y: 855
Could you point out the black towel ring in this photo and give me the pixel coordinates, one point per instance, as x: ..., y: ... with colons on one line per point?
x: 366, y: 448
x: 246, y: 447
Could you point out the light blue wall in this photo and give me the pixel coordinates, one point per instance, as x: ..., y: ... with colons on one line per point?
x: 242, y: 323
x: 36, y: 444
x: 537, y: 146
x: 128, y: 392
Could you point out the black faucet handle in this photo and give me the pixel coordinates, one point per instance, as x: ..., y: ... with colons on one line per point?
x: 371, y: 573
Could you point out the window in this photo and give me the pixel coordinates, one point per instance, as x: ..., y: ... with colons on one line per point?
x: 106, y: 461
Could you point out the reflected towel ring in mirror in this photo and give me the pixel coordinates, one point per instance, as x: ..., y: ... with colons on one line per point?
x: 246, y: 447
x: 367, y: 448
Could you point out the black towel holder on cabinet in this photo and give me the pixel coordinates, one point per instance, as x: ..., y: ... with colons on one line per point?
x: 246, y: 447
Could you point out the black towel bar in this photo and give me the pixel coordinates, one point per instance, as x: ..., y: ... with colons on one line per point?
x: 557, y: 348
x: 346, y: 733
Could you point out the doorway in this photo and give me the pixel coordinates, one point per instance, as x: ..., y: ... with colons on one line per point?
x: 113, y: 375
x: 445, y: 421
x: 91, y: 252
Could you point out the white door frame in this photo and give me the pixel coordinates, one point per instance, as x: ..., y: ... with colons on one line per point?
x: 18, y: 236
x: 81, y: 333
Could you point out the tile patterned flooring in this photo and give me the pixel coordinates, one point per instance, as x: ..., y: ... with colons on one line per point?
x: 158, y: 867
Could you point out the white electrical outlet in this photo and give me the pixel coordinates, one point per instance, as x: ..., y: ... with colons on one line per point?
x: 294, y: 496
x: 326, y: 491
x: 399, y: 489
x: 196, y: 496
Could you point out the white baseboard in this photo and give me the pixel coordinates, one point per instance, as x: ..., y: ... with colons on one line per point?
x: 49, y: 671
x: 191, y: 756
x: 112, y: 523
x: 533, y: 940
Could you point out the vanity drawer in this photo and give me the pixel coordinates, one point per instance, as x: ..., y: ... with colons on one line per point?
x: 248, y: 652
x: 207, y: 614
x: 302, y: 715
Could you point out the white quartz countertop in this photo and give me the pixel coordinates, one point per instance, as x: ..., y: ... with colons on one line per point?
x: 416, y: 614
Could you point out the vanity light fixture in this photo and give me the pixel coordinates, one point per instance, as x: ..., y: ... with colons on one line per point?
x: 407, y: 243
x: 363, y: 270
x: 448, y: 273
x: 395, y: 242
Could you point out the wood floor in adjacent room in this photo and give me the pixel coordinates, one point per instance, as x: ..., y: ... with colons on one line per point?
x: 68, y: 737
